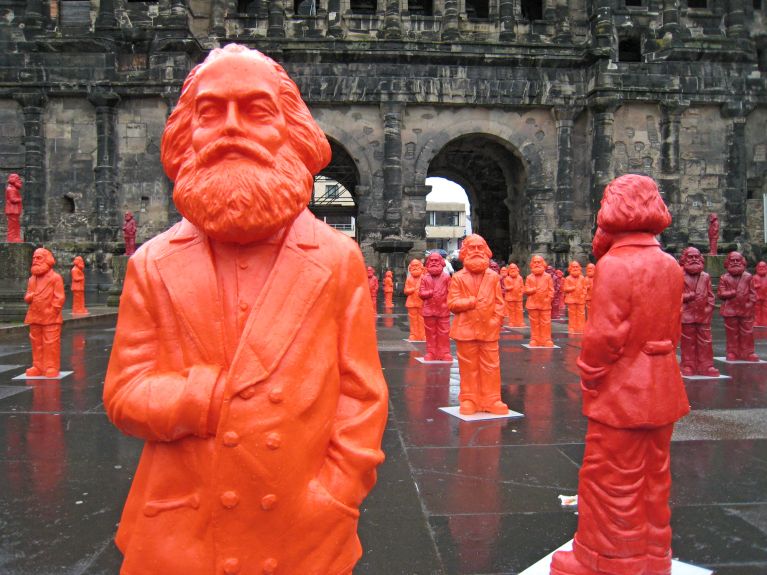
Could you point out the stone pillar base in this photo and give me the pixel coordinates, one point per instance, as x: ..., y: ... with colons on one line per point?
x: 119, y: 265
x: 15, y: 264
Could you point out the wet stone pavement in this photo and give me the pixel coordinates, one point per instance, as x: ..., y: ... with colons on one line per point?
x: 452, y: 497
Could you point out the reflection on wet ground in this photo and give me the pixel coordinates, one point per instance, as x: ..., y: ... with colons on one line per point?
x: 452, y: 496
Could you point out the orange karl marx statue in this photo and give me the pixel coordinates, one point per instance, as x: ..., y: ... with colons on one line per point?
x: 539, y: 288
x: 574, y: 288
x: 245, y: 352
x: 476, y: 300
x: 13, y: 208
x: 388, y: 289
x: 414, y: 303
x: 373, y: 287
x: 632, y: 391
x: 45, y: 296
x: 78, y: 287
x: 514, y: 289
x: 759, y: 280
x: 591, y: 269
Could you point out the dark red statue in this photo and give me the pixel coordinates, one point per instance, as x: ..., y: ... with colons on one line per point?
x: 738, y: 298
x: 556, y: 312
x: 476, y: 300
x: 13, y: 208
x: 515, y: 287
x: 697, y: 311
x: 713, y: 234
x: 574, y: 289
x: 45, y: 296
x: 760, y: 288
x: 129, y: 234
x: 245, y: 352
x: 414, y: 303
x: 373, y: 287
x: 78, y: 287
x: 539, y: 288
x: 436, y: 315
x: 632, y: 391
x: 388, y: 289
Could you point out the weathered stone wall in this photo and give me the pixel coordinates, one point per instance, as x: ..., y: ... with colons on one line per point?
x: 636, y: 140
x: 756, y: 154
x: 11, y: 149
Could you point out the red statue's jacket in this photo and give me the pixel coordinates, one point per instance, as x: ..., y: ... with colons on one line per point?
x: 433, y: 291
x: 626, y: 353
x: 278, y: 480
x: 46, y: 298
x: 737, y: 294
x: 544, y: 286
x: 412, y: 285
x: 483, y: 323
x: 698, y: 299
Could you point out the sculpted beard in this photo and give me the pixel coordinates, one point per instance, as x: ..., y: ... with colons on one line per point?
x: 244, y: 200
x: 476, y: 264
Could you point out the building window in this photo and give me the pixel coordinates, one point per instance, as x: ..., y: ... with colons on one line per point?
x: 421, y: 7
x: 67, y: 205
x: 633, y: 3
x: 444, y: 218
x: 697, y: 3
x: 532, y: 9
x: 249, y: 7
x: 364, y: 6
x: 757, y: 4
x: 305, y: 7
x: 477, y: 9
x: 630, y: 49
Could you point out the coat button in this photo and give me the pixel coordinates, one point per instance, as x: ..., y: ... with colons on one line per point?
x: 248, y: 392
x: 268, y: 501
x: 230, y: 499
x: 231, y: 566
x: 275, y: 395
x: 273, y: 440
x: 231, y: 439
x: 243, y: 306
x: 270, y: 566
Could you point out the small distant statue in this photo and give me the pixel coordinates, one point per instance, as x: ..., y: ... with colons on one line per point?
x: 539, y: 288
x: 697, y: 312
x: 373, y: 287
x: 760, y: 287
x: 436, y: 315
x: 78, y: 287
x: 475, y: 299
x: 556, y: 282
x: 574, y: 289
x: 129, y: 234
x: 45, y: 296
x: 738, y: 298
x: 414, y: 303
x: 590, y: 271
x: 388, y: 289
x: 495, y: 267
x: 513, y: 294
x: 713, y: 233
x: 13, y: 208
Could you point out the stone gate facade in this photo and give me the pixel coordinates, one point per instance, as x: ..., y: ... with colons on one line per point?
x: 531, y: 105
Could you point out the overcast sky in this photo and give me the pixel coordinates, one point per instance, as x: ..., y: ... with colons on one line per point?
x: 443, y: 190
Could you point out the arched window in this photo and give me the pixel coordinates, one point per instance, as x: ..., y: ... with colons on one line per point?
x: 67, y: 205
x: 364, y: 6
x: 421, y: 7
x: 477, y: 9
x: 532, y: 9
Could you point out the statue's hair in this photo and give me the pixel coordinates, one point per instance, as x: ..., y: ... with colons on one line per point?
x: 632, y: 203
x: 474, y: 239
x: 305, y: 135
x: 686, y: 252
x: 49, y: 259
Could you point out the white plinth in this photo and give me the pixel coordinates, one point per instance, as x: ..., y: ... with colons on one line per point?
x: 528, y: 346
x: 62, y: 375
x: 451, y: 362
x: 415, y: 340
x: 697, y: 377
x: 479, y: 416
x: 739, y: 361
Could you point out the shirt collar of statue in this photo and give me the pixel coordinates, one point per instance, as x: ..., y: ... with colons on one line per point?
x: 645, y: 239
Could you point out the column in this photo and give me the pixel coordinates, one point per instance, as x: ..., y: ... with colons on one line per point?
x: 564, y: 117
x: 177, y: 8
x: 602, y: 28
x: 392, y: 20
x: 35, y: 214
x: 668, y: 180
x: 33, y: 14
x: 561, y: 17
x: 602, y: 148
x: 106, y: 19
x: 171, y: 99
x: 508, y: 21
x: 670, y: 20
x: 217, y: 18
x: 736, y: 190
x: 276, y: 19
x: 334, y: 19
x: 450, y: 32
x: 392, y: 166
x: 107, y: 219
x: 736, y: 20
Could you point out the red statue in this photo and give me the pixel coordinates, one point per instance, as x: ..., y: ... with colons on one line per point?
x: 476, y: 300
x: 539, y: 289
x: 697, y: 311
x: 713, y: 233
x: 373, y: 287
x: 515, y: 287
x: 574, y: 289
x: 559, y: 282
x: 760, y: 287
x: 436, y: 315
x: 495, y: 267
x: 388, y: 289
x: 13, y: 208
x: 245, y: 352
x: 738, y: 298
x: 414, y: 303
x: 504, y: 273
x: 45, y: 296
x: 556, y: 282
x: 129, y: 234
x: 78, y: 287
x: 590, y: 271
x: 632, y: 391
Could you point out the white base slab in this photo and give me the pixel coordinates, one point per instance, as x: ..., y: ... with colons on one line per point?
x: 528, y: 346
x: 543, y: 566
x: 480, y: 416
x: 415, y: 340
x: 422, y: 360
x: 739, y: 361
x: 62, y: 375
x: 516, y: 327
x: 697, y: 377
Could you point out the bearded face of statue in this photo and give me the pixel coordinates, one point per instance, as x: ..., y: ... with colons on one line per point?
x: 41, y: 262
x: 537, y: 265
x: 591, y: 269
x: 435, y: 264
x: 575, y: 269
x: 761, y: 269
x: 735, y: 264
x: 415, y: 268
x: 513, y: 271
x: 693, y: 261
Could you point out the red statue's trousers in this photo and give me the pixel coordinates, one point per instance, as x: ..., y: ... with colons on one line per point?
x: 697, y: 349
x: 576, y: 317
x: 14, y: 228
x: 623, y: 489
x: 78, y: 302
x: 540, y: 327
x: 388, y: 299
x: 417, y: 330
x: 46, y: 347
x: 760, y: 308
x: 375, y: 303
x: 514, y: 311
x: 480, y: 367
x: 437, y: 339
x: 740, y: 337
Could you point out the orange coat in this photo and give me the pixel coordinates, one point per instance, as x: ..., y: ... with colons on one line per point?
x: 45, y: 296
x: 77, y: 279
x: 544, y: 291
x: 480, y: 323
x: 514, y: 288
x: 575, y: 290
x: 278, y: 482
x: 412, y: 285
x: 388, y: 285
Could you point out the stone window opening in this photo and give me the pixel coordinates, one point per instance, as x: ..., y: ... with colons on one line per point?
x: 702, y: 4
x: 144, y: 203
x: 630, y: 49
x: 757, y: 4
x: 305, y: 7
x: 633, y: 3
x: 532, y: 9
x: 67, y: 205
x: 248, y: 7
x: 364, y: 6
x: 420, y: 7
x: 477, y: 9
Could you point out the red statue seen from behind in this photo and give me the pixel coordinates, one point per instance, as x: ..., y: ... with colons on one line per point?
x: 514, y: 288
x: 436, y: 315
x: 388, y: 289
x: 13, y: 208
x: 414, y: 303
x: 78, y: 287
x: 245, y: 353
x: 697, y: 311
x: 476, y: 300
x: 539, y: 289
x: 760, y: 288
x: 45, y: 296
x: 738, y: 298
x: 129, y: 234
x: 632, y: 391
x: 574, y: 289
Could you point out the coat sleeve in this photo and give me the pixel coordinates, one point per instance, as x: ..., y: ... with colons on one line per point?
x: 349, y: 472
x: 608, y: 327
x: 58, y: 294
x: 455, y: 302
x: 141, y: 398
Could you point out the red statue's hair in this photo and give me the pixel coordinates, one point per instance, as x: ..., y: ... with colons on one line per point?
x: 632, y: 203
